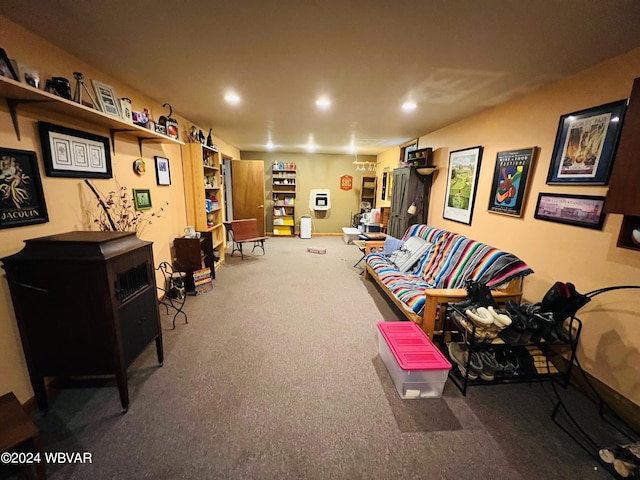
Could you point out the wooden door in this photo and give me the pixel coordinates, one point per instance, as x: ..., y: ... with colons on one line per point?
x: 247, y: 190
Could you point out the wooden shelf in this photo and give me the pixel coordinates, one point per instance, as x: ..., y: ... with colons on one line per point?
x: 17, y: 93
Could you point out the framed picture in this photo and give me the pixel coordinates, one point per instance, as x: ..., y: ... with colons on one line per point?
x: 510, y: 176
x: 109, y: 102
x: 585, y: 144
x: 579, y: 210
x: 22, y: 200
x: 142, y: 198
x: 74, y: 153
x: 6, y: 69
x: 163, y: 174
x: 462, y: 179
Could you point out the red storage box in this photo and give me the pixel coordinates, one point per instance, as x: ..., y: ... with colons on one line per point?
x: 418, y: 368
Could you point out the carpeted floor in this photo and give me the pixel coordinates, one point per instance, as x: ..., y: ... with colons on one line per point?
x: 277, y: 376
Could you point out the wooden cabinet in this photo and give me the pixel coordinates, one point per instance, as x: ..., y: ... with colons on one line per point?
x: 85, y: 304
x: 284, y: 198
x: 408, y: 188
x: 368, y: 191
x: 624, y: 195
x: 195, y: 254
x: 204, y: 193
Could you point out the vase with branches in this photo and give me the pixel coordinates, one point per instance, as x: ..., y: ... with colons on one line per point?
x: 117, y: 213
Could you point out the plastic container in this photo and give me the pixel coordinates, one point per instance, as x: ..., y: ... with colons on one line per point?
x: 350, y: 234
x: 417, y: 367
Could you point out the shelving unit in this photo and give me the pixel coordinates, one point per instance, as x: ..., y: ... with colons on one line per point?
x: 194, y: 254
x: 368, y: 191
x: 204, y: 194
x: 19, y: 94
x: 545, y: 369
x: 284, y: 199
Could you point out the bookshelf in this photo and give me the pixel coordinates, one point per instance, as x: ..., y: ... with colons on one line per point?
x: 284, y: 198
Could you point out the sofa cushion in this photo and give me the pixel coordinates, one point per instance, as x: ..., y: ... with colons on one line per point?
x: 391, y: 244
x: 413, y: 249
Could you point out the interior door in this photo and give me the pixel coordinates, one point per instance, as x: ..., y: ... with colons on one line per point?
x: 247, y: 190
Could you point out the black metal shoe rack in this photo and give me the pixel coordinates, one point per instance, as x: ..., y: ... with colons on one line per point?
x: 545, y: 372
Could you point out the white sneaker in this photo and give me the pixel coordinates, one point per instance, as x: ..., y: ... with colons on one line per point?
x: 480, y: 316
x: 500, y: 319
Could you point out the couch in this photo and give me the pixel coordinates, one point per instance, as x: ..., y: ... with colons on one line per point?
x: 440, y: 275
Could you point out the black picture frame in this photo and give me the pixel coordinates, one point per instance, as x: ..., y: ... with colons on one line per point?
x: 73, y: 153
x: 142, y: 198
x: 6, y: 69
x: 578, y: 210
x: 462, y: 184
x: 585, y: 145
x: 22, y: 202
x: 510, y: 181
x: 163, y: 172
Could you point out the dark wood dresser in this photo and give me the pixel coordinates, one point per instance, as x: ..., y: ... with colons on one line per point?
x: 85, y: 304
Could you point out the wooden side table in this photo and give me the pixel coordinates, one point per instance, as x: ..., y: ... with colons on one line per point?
x: 17, y: 429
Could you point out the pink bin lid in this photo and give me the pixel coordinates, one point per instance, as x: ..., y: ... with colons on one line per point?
x: 411, y: 347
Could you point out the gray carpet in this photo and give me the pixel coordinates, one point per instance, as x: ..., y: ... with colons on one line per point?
x: 277, y: 376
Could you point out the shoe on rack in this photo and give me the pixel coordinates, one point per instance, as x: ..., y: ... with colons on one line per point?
x: 480, y: 316
x: 466, y: 326
x: 475, y: 363
x: 459, y: 354
x: 500, y: 317
x: 507, y: 363
x: 478, y: 295
x: 489, y: 365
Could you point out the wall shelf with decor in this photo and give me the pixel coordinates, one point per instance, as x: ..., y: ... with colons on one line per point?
x: 16, y: 94
x: 204, y: 193
x: 284, y: 199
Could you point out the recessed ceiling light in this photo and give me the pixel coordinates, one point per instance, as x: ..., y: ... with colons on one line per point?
x: 409, y: 106
x: 232, y: 98
x: 323, y: 103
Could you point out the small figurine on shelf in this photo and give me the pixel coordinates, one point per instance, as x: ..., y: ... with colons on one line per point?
x: 193, y: 135
x: 201, y: 138
x: 210, y: 139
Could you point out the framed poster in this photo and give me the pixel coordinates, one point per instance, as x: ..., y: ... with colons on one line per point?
x: 21, y: 196
x: 579, y: 210
x: 142, y: 198
x: 73, y: 153
x: 585, y: 144
x: 163, y: 174
x: 462, y: 179
x: 510, y: 176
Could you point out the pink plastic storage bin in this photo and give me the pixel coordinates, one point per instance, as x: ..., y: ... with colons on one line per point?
x: 417, y: 367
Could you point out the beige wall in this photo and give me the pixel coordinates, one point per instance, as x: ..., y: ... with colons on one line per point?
x: 588, y: 258
x: 317, y: 171
x: 68, y: 200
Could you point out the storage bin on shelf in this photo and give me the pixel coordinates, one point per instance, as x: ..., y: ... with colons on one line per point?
x: 417, y: 367
x: 350, y: 234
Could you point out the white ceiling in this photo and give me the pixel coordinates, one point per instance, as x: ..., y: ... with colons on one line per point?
x: 452, y: 57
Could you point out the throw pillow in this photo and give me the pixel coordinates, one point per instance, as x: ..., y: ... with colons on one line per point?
x: 410, y: 253
x: 391, y: 244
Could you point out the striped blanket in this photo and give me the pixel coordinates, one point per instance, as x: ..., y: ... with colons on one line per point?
x: 453, y: 259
